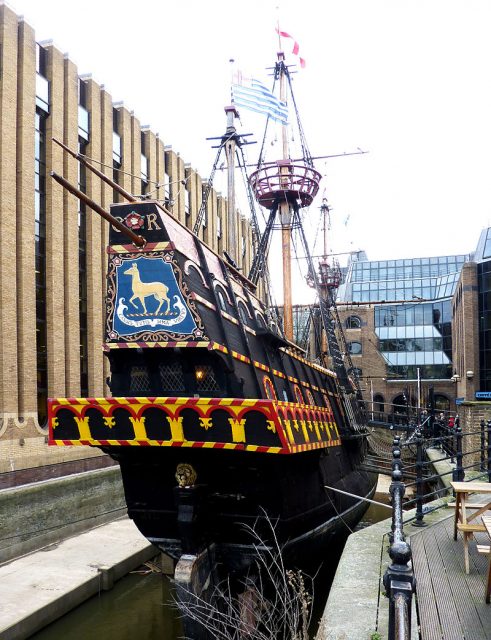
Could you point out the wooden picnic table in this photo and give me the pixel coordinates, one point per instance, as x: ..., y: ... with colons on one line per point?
x: 486, y: 520
x: 468, y: 523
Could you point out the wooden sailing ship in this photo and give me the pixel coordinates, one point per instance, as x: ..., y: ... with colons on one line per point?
x: 217, y: 419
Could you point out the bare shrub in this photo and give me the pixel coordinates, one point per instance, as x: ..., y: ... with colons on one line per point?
x: 271, y: 602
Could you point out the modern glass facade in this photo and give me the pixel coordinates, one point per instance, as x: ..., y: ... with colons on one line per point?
x: 398, y: 280
x: 484, y: 288
x: 414, y: 326
x: 417, y: 336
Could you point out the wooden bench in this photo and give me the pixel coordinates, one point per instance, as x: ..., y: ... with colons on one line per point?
x: 469, y: 505
x: 486, y: 548
x: 467, y: 514
x: 470, y: 527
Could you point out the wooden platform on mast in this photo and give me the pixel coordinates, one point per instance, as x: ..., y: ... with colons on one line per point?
x: 451, y: 604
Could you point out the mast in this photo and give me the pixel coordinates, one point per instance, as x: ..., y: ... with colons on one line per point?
x: 284, y: 187
x: 286, y: 221
x: 229, y: 147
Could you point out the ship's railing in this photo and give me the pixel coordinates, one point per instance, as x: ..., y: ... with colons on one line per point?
x: 287, y: 180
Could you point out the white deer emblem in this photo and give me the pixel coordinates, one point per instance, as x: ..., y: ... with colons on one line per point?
x: 142, y: 290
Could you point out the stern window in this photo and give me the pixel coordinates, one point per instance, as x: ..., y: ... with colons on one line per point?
x: 205, y: 378
x: 139, y: 380
x: 171, y: 377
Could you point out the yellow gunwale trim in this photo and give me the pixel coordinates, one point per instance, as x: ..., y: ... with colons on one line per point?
x: 203, y: 301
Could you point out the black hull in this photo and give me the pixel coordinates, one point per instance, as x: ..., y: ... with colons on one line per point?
x: 201, y: 376
x: 236, y: 491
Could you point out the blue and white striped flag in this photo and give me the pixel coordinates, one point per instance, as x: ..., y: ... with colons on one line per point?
x: 252, y: 94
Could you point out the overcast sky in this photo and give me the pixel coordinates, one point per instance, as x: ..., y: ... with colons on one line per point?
x: 407, y: 81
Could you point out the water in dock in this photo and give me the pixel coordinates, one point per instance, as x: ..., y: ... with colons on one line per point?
x: 141, y: 606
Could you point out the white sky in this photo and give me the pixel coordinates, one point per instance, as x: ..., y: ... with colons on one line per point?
x: 407, y: 81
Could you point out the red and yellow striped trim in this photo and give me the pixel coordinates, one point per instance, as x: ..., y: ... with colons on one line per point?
x: 298, y: 427
x: 131, y: 248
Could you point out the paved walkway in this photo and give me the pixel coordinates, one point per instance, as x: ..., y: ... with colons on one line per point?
x: 42, y: 586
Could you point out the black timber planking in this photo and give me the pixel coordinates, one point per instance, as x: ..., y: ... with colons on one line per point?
x: 450, y: 603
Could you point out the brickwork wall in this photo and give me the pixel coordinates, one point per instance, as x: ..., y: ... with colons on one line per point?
x: 374, y: 372
x: 22, y: 438
x: 8, y: 223
x: 471, y: 414
x: 26, y: 302
x: 465, y: 346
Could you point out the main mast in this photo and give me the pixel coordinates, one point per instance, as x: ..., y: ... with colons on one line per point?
x: 284, y: 187
x: 286, y: 214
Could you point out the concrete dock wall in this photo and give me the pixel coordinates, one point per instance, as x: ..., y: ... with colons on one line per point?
x: 40, y: 587
x: 37, y: 515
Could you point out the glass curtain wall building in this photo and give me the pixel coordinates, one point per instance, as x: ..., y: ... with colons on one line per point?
x: 483, y: 258
x: 412, y: 314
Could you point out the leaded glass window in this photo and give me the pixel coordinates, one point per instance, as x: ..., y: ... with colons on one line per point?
x: 205, y: 379
x: 139, y: 380
x: 171, y: 378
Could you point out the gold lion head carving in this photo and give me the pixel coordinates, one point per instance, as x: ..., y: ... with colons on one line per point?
x: 185, y: 475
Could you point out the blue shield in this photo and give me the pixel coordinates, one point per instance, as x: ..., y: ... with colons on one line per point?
x: 148, y: 298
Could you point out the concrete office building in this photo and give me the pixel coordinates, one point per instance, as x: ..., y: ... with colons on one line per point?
x: 52, y: 248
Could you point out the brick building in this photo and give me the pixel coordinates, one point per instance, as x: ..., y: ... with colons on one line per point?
x: 52, y: 248
x: 421, y: 324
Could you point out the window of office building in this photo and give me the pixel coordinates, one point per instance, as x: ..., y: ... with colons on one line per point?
x: 204, y: 205
x: 379, y: 402
x: 442, y: 403
x: 406, y: 269
x: 117, y: 154
x: 144, y: 167
x: 354, y: 348
x: 82, y: 275
x: 168, y: 185
x: 353, y: 322
x: 40, y: 264
x: 416, y: 340
x: 487, y: 245
x: 42, y: 83
x: 484, y: 296
x: 187, y: 197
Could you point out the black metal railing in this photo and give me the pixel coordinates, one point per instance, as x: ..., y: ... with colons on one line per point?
x: 399, y: 579
x: 458, y: 451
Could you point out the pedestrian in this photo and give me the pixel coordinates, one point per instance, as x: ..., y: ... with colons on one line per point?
x: 450, y: 438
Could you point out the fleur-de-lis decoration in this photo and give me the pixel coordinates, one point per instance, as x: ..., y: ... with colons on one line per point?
x: 206, y: 423
x: 110, y: 421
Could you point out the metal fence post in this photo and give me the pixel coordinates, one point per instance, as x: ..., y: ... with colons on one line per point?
x: 458, y: 474
x: 489, y: 450
x: 482, y: 425
x: 396, y: 466
x: 399, y: 581
x: 418, y: 522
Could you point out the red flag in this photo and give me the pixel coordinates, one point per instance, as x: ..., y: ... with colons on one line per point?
x: 296, y: 47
